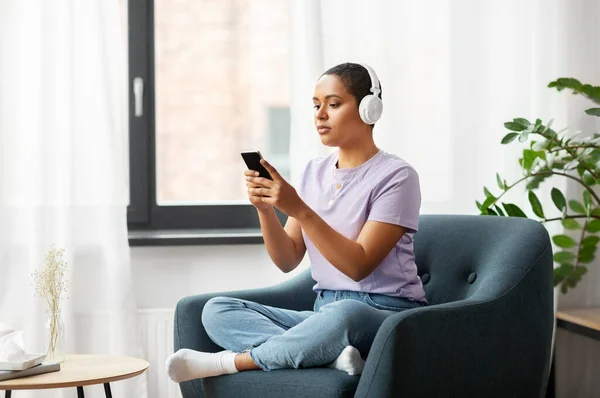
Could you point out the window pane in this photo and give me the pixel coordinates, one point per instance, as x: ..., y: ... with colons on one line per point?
x: 222, y: 87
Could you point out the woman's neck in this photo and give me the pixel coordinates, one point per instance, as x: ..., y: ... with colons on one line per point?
x: 349, y: 158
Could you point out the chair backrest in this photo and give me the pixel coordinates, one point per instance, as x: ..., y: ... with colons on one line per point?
x: 476, y: 257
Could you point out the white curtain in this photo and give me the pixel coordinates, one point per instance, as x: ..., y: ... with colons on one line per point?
x: 452, y: 73
x: 64, y: 175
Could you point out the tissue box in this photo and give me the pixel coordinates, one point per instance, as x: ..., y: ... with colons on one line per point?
x: 28, y: 361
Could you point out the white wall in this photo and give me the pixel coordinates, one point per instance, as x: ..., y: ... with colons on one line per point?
x: 163, y: 275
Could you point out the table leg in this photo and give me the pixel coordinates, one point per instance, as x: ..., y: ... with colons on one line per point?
x: 8, y: 394
x: 107, y: 390
x: 80, y: 392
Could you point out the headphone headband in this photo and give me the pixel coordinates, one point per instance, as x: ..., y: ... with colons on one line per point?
x: 374, y: 80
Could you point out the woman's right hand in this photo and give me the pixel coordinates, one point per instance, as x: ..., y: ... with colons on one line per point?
x: 256, y: 200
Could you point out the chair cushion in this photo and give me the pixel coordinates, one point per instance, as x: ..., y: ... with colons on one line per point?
x: 288, y: 383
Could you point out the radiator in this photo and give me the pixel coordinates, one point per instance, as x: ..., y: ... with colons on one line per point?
x: 157, y: 342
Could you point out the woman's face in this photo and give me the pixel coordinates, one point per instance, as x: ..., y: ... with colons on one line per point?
x: 336, y: 112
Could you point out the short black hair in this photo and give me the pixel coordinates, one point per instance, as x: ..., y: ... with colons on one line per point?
x: 355, y: 78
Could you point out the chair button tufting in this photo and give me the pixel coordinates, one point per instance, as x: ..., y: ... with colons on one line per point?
x: 425, y: 278
x: 472, y: 277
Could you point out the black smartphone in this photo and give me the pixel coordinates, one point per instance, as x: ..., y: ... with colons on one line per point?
x: 252, y: 160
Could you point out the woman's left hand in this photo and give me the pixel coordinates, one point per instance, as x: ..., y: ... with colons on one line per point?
x: 278, y: 192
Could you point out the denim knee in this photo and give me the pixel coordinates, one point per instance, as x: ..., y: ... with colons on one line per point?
x: 346, y: 314
x: 213, y: 313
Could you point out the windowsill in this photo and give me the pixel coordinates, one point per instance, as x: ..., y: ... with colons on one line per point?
x: 195, y: 237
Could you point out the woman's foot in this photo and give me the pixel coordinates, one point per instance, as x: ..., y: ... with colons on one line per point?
x: 349, y: 361
x: 188, y: 364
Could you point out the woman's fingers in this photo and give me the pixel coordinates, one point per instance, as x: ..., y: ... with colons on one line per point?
x: 263, y: 182
x: 258, y: 191
x: 250, y: 185
x: 274, y: 173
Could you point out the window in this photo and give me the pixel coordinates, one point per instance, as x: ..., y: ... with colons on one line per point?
x: 208, y: 80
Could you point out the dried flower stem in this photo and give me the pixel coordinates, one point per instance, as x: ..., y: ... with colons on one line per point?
x: 50, y: 284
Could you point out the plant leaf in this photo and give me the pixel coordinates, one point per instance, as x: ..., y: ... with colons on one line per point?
x: 588, y: 179
x: 563, y: 288
x: 486, y: 204
x: 596, y: 212
x: 576, y: 206
x: 508, y: 138
x: 563, y: 257
x: 558, y: 198
x: 566, y: 82
x: 579, y: 271
x: 514, y: 126
x: 487, y: 193
x: 569, y: 223
x: 587, y: 249
x: 527, y: 160
x: 590, y: 241
x: 561, y: 272
x: 499, y: 210
x: 529, y: 157
x: 522, y: 121
x: 585, y: 257
x: 536, y: 206
x: 478, y: 204
x: 587, y: 201
x: 535, y: 181
x: 499, y: 181
x: 513, y: 210
x: 563, y: 241
x: 593, y: 226
x: 593, y: 111
x: 571, y: 277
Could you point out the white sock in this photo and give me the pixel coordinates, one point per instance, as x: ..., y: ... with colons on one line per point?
x: 349, y: 361
x: 188, y: 364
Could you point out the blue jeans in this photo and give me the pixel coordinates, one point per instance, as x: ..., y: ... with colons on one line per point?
x: 282, y: 339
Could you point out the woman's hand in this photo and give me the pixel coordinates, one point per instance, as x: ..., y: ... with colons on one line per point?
x: 278, y: 193
x: 255, y: 199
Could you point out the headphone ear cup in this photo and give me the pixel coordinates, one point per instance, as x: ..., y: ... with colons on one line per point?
x: 370, y: 109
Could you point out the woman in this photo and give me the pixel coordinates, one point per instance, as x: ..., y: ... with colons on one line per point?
x: 355, y: 214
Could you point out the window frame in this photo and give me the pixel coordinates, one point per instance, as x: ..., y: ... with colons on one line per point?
x: 144, y: 213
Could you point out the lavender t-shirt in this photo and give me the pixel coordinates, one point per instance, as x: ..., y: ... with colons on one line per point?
x: 385, y: 189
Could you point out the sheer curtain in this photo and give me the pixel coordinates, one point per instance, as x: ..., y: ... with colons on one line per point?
x: 63, y: 174
x: 452, y: 73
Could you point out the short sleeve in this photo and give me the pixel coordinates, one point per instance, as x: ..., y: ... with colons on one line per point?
x: 303, y: 180
x: 397, y: 199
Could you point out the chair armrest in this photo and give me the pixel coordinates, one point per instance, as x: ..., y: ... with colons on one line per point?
x: 465, y: 349
x: 189, y: 332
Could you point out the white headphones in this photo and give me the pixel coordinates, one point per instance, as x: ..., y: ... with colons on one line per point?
x: 371, y: 106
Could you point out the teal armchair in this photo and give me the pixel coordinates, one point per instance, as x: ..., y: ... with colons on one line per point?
x: 486, y: 333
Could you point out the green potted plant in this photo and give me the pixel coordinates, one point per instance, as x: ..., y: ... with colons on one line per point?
x: 551, y: 155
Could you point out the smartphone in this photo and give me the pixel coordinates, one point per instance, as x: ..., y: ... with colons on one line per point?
x: 252, y: 160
